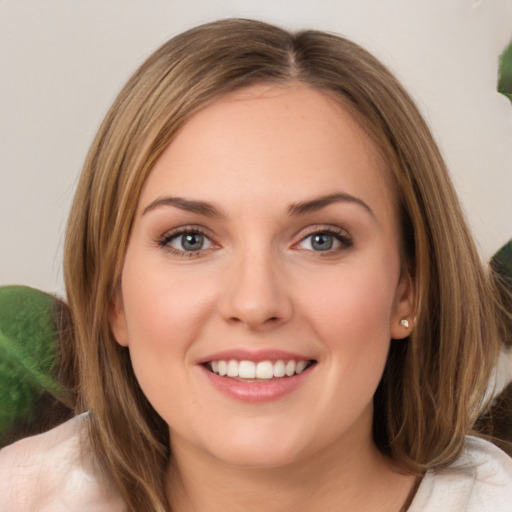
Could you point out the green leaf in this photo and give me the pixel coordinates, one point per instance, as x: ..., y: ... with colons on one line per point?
x: 28, y: 351
x: 502, y: 261
x: 505, y: 72
x: 501, y: 264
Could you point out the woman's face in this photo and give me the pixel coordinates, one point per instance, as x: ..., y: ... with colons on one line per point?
x: 265, y: 245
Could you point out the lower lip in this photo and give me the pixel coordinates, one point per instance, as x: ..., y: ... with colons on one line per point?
x: 257, y: 391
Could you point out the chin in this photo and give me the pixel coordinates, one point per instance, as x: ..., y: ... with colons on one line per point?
x: 261, y: 448
x: 250, y: 456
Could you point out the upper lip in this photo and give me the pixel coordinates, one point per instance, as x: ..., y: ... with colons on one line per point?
x: 243, y: 354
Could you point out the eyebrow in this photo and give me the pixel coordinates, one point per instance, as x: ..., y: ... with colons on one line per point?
x: 318, y: 203
x: 300, y: 208
x: 200, y: 207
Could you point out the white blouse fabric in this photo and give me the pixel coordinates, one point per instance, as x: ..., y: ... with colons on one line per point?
x: 54, y: 472
x: 480, y: 480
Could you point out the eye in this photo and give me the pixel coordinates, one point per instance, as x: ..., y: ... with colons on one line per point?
x: 326, y: 240
x: 320, y: 242
x: 187, y: 242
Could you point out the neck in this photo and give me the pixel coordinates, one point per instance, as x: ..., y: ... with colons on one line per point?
x: 337, y: 478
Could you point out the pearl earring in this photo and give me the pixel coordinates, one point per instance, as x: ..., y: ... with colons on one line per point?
x: 405, y: 323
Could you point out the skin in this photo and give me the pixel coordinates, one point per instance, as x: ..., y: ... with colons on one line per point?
x: 260, y: 283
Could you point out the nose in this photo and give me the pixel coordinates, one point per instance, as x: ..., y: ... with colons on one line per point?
x: 256, y: 293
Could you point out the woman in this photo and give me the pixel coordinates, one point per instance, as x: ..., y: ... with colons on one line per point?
x: 276, y: 302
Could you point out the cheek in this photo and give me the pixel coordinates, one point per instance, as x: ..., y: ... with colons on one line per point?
x: 356, y: 302
x: 351, y: 313
x: 163, y: 304
x: 164, y: 312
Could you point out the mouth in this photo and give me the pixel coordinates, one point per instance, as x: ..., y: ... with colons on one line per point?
x: 258, y: 371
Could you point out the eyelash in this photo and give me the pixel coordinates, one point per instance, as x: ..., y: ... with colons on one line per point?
x: 164, y: 241
x: 340, y: 235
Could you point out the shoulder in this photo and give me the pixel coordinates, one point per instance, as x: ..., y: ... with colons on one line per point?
x: 54, y: 472
x: 479, y: 480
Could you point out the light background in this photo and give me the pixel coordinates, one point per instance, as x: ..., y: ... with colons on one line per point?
x: 63, y: 61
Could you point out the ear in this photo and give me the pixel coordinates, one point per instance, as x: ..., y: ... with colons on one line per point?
x: 117, y: 319
x: 404, y: 307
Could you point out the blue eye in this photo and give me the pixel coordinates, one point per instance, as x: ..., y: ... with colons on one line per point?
x: 326, y: 241
x: 190, y: 241
x: 322, y: 241
x: 186, y: 242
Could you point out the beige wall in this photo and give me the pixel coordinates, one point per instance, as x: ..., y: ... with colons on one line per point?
x: 62, y: 62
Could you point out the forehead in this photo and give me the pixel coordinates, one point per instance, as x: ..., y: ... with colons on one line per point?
x: 254, y: 141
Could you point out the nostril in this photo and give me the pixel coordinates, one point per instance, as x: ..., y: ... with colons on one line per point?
x: 272, y: 319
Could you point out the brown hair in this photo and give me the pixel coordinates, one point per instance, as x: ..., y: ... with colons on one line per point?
x: 433, y: 384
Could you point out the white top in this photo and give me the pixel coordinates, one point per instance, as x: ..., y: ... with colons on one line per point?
x: 480, y: 480
x: 52, y: 472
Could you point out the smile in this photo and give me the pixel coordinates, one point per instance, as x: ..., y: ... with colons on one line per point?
x: 262, y: 370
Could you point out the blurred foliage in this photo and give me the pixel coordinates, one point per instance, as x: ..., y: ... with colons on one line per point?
x: 505, y: 72
x: 28, y: 357
x: 501, y: 264
x: 497, y: 422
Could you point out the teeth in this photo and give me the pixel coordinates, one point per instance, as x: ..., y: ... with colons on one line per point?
x: 290, y: 368
x: 263, y: 370
x: 301, y: 366
x: 246, y: 370
x: 279, y: 369
x: 223, y: 368
x: 232, y: 369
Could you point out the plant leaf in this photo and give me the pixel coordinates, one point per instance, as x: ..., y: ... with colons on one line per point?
x: 28, y: 351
